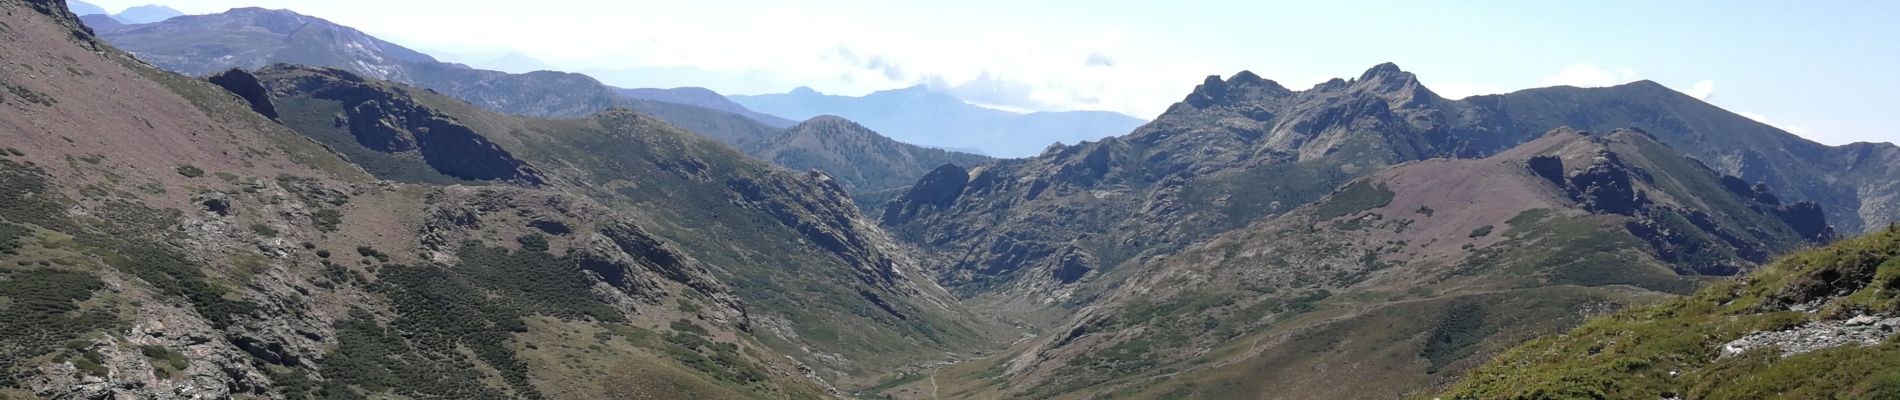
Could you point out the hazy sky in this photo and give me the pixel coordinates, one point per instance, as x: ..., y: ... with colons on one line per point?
x: 1826, y: 70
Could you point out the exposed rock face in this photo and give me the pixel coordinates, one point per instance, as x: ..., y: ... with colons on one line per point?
x: 1605, y: 186
x: 386, y: 119
x: 1865, y: 330
x: 939, y: 188
x: 1808, y: 219
x: 248, y: 87
x: 643, y: 267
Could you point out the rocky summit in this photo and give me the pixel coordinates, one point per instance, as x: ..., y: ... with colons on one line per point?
x: 262, y: 204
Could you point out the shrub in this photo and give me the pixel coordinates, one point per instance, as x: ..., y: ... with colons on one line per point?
x: 190, y: 171
x: 264, y: 230
x: 1482, y: 231
x: 327, y: 220
x: 1356, y: 197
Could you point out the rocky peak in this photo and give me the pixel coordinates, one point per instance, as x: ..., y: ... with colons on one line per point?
x: 1396, y: 85
x: 1243, y: 86
x: 1383, y: 70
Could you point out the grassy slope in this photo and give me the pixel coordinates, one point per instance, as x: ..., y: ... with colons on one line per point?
x: 682, y: 186
x: 1631, y: 354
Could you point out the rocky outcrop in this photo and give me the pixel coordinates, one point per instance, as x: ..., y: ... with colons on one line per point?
x: 1605, y: 186
x: 640, y: 266
x: 1865, y: 330
x: 1808, y: 219
x: 939, y: 188
x: 247, y: 87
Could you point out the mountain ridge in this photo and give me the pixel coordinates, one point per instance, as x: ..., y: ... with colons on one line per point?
x: 702, y: 97
x: 921, y: 116
x: 827, y: 143
x: 1196, y: 162
x: 253, y: 37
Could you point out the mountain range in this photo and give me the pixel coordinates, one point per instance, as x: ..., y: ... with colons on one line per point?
x: 1242, y: 149
x: 251, y: 38
x: 265, y: 229
x: 144, y: 14
x: 308, y: 232
x: 924, y: 117
x: 1139, y: 252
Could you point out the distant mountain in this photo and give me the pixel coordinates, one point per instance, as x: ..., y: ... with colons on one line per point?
x: 251, y: 38
x: 82, y: 8
x: 920, y: 116
x: 254, y: 37
x: 101, y: 22
x: 703, y: 97
x: 514, y: 63
x: 146, y: 14
x: 861, y: 160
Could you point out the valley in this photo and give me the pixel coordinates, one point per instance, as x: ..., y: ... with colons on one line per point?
x: 264, y: 204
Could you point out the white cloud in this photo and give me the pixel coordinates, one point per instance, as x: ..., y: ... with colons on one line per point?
x: 1702, y: 90
x: 1589, y: 75
x: 1803, y: 132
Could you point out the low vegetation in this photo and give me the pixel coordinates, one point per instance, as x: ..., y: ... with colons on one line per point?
x: 1671, y: 350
